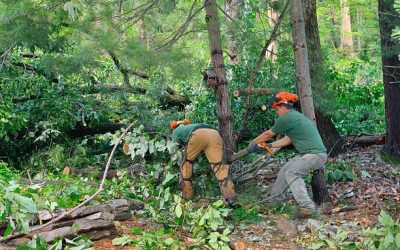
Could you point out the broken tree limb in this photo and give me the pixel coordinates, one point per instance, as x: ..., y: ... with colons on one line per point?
x: 365, y: 140
x: 252, y: 91
x: 100, y: 189
x: 134, y: 89
x: 52, y: 182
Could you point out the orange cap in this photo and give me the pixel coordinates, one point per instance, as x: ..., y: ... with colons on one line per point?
x: 175, y: 123
x: 283, y: 97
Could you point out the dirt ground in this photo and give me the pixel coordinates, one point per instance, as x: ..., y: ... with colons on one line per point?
x: 376, y: 187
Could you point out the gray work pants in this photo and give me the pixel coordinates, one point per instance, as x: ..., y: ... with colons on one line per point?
x: 292, y: 175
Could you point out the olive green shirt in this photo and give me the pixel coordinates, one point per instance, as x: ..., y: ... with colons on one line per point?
x: 182, y: 133
x: 301, y: 131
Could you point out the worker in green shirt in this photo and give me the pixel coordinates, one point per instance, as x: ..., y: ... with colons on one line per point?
x: 304, y: 136
x: 197, y: 138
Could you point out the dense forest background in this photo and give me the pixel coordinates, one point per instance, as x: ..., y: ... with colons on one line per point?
x: 74, y: 74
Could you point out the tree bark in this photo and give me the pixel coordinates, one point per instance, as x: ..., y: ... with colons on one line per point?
x: 301, y: 59
x: 346, y: 41
x: 320, y: 190
x: 221, y: 88
x: 326, y: 128
x: 273, y: 19
x: 388, y: 20
x: 332, y: 140
x: 232, y: 10
x: 366, y: 140
x: 334, y: 34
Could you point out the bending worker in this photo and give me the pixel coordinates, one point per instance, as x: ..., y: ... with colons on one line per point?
x: 304, y: 136
x: 197, y: 138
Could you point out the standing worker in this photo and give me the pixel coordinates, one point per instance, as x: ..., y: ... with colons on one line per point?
x: 304, y: 136
x: 197, y: 138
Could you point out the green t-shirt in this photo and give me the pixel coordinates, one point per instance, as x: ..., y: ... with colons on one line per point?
x: 301, y: 131
x: 182, y: 133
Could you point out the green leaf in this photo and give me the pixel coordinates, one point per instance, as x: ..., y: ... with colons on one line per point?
x: 178, y: 210
x: 26, y: 202
x: 385, y: 219
x: 337, y: 174
x: 218, y: 204
x: 168, y: 178
x: 8, y: 230
x: 121, y: 241
x: 169, y: 241
x: 389, y: 239
x: 136, y: 231
x: 397, y: 240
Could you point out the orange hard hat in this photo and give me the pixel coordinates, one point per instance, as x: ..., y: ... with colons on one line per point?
x: 175, y: 123
x: 283, y: 97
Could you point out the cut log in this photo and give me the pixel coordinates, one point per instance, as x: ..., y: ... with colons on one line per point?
x: 63, y: 232
x: 86, y: 225
x: 366, y: 140
x: 252, y: 91
x: 95, y: 221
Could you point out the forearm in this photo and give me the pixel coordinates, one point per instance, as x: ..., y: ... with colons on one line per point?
x: 264, y: 137
x: 285, y: 141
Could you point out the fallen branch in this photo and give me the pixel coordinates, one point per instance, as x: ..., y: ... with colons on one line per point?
x: 100, y: 189
x: 52, y: 182
x: 365, y: 140
x: 252, y: 91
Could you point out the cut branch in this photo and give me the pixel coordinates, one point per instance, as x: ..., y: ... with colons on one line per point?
x: 252, y: 91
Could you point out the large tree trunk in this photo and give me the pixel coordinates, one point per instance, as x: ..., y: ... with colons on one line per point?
x: 221, y: 88
x: 388, y: 20
x: 326, y: 128
x: 346, y: 41
x: 320, y: 190
x: 301, y: 59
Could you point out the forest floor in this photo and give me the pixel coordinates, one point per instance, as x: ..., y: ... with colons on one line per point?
x: 376, y: 188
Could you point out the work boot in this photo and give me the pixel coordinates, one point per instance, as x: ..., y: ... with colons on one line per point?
x: 304, y: 213
x: 232, y: 202
x: 187, y: 190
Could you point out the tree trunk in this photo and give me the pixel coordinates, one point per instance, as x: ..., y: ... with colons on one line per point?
x: 332, y: 140
x: 346, y: 41
x: 388, y: 20
x: 326, y: 128
x: 232, y: 10
x: 221, y: 88
x: 301, y: 60
x: 273, y: 18
x: 359, y: 36
x: 320, y: 190
x: 334, y: 34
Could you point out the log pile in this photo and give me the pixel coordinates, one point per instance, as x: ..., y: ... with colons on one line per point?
x: 94, y: 221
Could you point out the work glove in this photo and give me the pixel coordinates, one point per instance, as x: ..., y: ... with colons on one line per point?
x: 244, y: 152
x: 253, y: 148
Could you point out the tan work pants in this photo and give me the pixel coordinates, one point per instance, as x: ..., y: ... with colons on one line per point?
x: 210, y: 142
